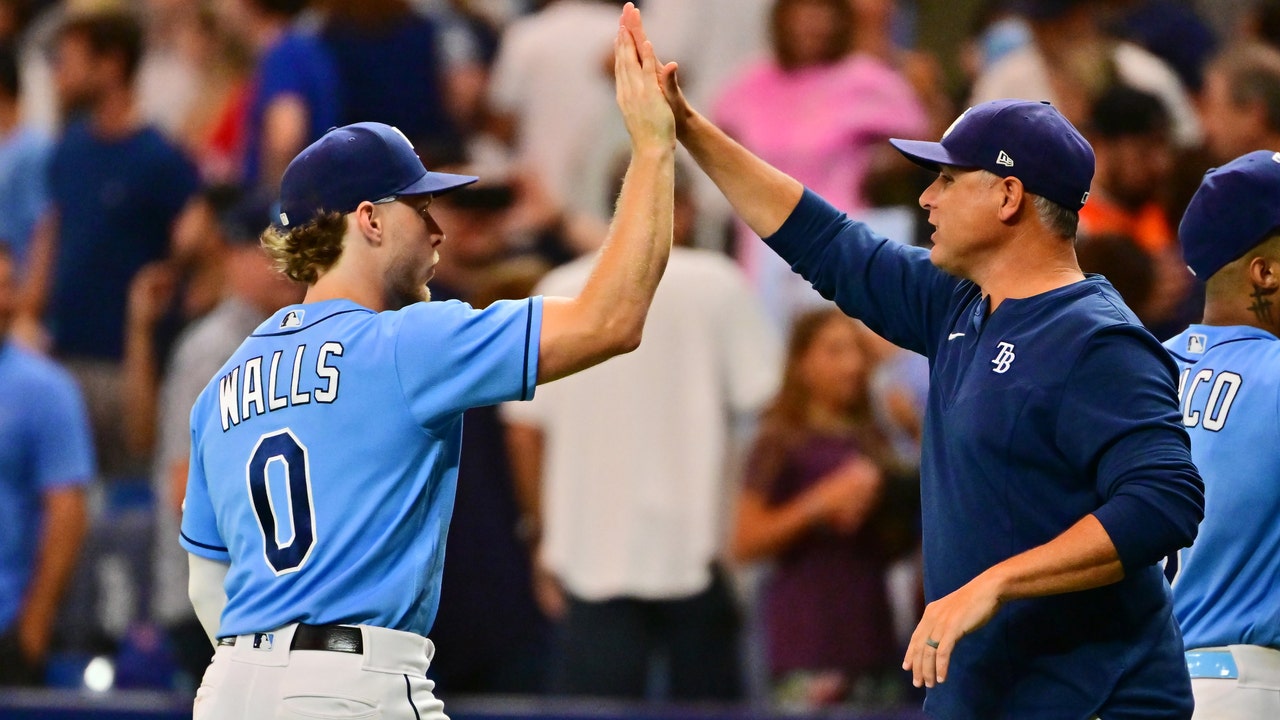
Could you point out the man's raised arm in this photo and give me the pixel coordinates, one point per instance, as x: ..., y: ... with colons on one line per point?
x: 607, y: 317
x: 762, y: 195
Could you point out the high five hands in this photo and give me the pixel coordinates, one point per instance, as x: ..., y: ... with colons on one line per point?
x: 636, y: 73
x: 632, y: 26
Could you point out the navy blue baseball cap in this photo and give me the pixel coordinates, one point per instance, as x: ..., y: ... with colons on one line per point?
x: 1028, y: 140
x: 351, y: 164
x: 1236, y: 207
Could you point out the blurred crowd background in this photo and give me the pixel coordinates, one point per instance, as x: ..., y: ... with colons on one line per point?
x: 729, y: 513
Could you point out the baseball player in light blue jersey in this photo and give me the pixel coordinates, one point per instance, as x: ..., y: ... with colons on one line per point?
x: 324, y: 454
x: 1226, y: 587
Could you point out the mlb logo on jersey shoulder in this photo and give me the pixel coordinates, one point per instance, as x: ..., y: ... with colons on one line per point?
x: 1196, y: 343
x: 292, y: 319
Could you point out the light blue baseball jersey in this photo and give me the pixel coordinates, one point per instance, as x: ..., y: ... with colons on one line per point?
x: 324, y: 456
x: 1226, y: 587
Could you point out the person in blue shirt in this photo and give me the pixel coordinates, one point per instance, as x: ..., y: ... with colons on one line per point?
x: 1225, y: 587
x: 116, y: 186
x: 324, y: 453
x: 24, y: 159
x: 294, y: 91
x: 1056, y: 473
x: 46, y: 458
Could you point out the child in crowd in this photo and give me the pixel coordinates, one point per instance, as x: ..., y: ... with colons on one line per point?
x: 814, y: 481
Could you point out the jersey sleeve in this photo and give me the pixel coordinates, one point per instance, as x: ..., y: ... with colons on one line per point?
x: 450, y: 357
x: 892, y: 287
x: 199, y: 534
x: 61, y: 442
x: 1120, y: 420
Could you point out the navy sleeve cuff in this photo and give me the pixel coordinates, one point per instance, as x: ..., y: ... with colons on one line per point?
x: 812, y: 220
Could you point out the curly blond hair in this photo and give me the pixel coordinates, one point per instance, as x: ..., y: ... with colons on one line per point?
x: 306, y: 252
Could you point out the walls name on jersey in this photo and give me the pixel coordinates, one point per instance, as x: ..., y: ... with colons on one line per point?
x: 246, y: 391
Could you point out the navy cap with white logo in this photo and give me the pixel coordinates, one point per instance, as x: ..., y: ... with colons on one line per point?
x: 1236, y: 207
x: 351, y: 164
x: 1028, y: 140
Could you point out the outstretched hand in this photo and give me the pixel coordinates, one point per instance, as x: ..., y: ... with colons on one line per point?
x: 668, y: 78
x: 644, y: 108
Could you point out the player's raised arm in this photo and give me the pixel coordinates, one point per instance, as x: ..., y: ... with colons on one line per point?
x: 761, y: 195
x: 607, y: 317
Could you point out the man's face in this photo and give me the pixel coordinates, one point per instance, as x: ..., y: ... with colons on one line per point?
x: 79, y: 76
x: 1133, y: 169
x: 1231, y: 129
x: 412, y: 236
x: 963, y: 207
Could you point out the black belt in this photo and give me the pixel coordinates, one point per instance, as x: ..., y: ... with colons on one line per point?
x: 333, y: 638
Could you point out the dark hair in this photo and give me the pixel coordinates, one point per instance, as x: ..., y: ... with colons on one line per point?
x: 1253, y: 75
x: 841, y: 43
x: 787, y: 416
x: 287, y: 8
x: 1123, y: 111
x: 10, y: 81
x: 109, y: 32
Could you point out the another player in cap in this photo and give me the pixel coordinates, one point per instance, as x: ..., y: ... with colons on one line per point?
x: 1055, y: 472
x: 1225, y: 586
x: 324, y: 453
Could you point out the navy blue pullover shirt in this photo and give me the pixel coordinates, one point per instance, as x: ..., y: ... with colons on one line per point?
x: 1048, y: 409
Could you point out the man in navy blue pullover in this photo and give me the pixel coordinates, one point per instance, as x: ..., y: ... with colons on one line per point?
x: 1056, y: 473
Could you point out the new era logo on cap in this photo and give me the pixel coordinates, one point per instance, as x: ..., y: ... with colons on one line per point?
x: 1004, y: 159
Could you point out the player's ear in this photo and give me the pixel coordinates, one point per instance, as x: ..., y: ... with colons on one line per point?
x: 1013, y: 198
x: 1264, y: 272
x: 370, y: 222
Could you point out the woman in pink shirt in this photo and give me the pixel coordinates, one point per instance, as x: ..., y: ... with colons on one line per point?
x: 817, y: 111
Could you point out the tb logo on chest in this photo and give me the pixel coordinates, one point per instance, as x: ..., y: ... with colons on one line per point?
x: 1004, y: 358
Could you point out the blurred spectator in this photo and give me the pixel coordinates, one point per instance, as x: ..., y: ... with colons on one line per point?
x: 1227, y: 17
x: 839, y: 109
x: 169, y: 79
x: 294, y: 94
x: 624, y: 465
x: 552, y: 101
x: 997, y: 31
x: 1172, y: 31
x: 708, y: 61
x: 166, y: 296
x: 46, y: 458
x: 1125, y: 264
x: 1262, y: 23
x: 24, y: 159
x: 213, y: 129
x: 253, y: 291
x: 1241, y: 102
x: 1072, y: 61
x: 1129, y: 131
x: 813, y: 481
x: 117, y: 186
x: 393, y: 69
